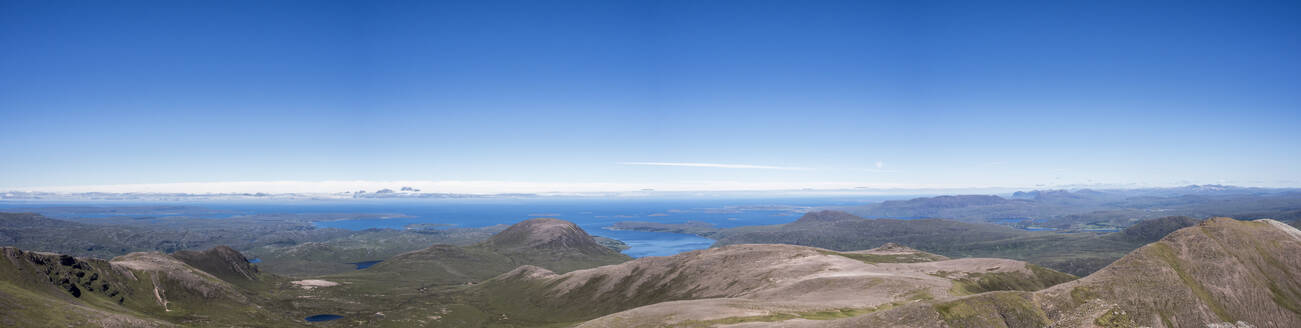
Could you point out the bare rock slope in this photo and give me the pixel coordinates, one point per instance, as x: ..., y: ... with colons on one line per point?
x: 749, y: 282
x: 1218, y: 273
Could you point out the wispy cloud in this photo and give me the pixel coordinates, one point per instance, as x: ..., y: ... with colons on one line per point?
x: 717, y: 165
x: 475, y: 187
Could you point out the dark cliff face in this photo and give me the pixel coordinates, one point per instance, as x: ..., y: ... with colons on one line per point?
x: 1148, y: 231
x: 74, y: 276
x: 221, y: 261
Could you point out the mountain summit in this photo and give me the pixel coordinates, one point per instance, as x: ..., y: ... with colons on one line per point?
x: 546, y: 234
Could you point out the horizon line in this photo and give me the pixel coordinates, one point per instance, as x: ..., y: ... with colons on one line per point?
x: 487, y: 187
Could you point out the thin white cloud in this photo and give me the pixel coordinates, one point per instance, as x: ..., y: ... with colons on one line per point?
x: 880, y: 165
x: 717, y: 165
x: 471, y: 187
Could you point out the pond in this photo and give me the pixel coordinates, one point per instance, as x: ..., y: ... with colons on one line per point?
x: 323, y: 317
x: 363, y: 265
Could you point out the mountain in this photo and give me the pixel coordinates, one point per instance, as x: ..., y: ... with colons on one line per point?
x: 1093, y: 210
x: 286, y: 244
x: 1078, y: 253
x: 555, y: 244
x: 135, y: 290
x: 1215, y: 273
x: 223, y: 262
x: 943, y: 206
x: 1219, y: 273
x: 751, y: 282
x: 818, y: 217
x: 550, y: 243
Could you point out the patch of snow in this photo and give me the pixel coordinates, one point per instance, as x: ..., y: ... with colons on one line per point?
x: 313, y: 283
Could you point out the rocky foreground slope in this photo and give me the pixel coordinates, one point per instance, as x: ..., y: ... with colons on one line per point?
x: 135, y: 290
x: 1219, y: 273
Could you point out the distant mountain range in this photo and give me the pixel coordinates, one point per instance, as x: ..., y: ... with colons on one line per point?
x: 1087, y: 209
x: 403, y: 192
x: 1076, y: 253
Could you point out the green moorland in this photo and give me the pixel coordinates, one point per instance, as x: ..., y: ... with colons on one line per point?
x: 1076, y: 253
x: 1167, y: 281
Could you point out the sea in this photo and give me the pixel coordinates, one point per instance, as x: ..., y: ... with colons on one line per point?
x: 594, y: 215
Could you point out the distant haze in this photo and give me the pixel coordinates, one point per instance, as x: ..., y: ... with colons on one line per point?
x: 478, y: 187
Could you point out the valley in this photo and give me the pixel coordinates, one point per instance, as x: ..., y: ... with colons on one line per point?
x: 1185, y: 282
x: 826, y: 268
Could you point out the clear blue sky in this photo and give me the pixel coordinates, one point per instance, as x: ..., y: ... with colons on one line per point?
x: 874, y: 93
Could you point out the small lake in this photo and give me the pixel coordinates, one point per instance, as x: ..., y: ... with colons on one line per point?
x: 323, y: 317
x: 363, y: 265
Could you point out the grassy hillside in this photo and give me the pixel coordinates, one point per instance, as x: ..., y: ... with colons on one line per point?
x: 285, y: 244
x: 1214, y: 272
x: 139, y: 289
x: 550, y: 243
x: 1075, y: 253
x: 1221, y: 272
x: 727, y: 285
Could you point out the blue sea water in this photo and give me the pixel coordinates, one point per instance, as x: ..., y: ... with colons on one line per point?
x: 592, y: 214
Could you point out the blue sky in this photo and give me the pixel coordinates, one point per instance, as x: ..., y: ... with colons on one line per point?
x: 620, y: 94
